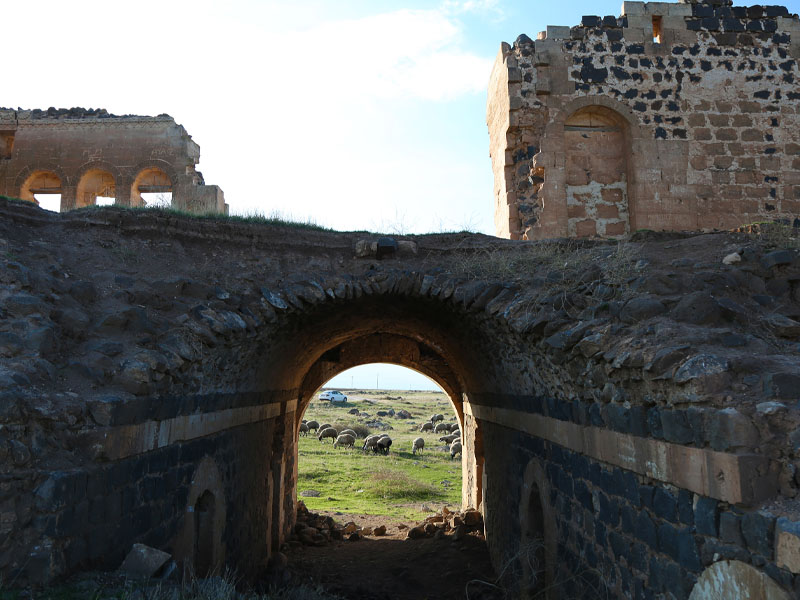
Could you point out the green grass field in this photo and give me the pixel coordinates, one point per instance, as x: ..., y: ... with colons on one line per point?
x: 398, y: 485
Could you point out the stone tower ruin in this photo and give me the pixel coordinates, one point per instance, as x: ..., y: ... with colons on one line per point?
x: 85, y: 154
x: 673, y: 116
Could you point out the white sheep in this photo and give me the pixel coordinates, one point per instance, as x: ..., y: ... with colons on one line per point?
x: 371, y: 442
x: 345, y: 440
x: 349, y: 432
x: 441, y: 428
x: 455, y: 448
x: 449, y: 439
x: 417, y: 444
x: 328, y: 432
x: 428, y: 426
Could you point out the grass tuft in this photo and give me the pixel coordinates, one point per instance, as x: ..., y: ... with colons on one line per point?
x: 391, y: 484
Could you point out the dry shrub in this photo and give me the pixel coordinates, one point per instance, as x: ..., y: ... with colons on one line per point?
x: 396, y: 485
x: 361, y: 430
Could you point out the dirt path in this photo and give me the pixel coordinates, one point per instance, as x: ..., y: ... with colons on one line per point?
x: 392, y: 567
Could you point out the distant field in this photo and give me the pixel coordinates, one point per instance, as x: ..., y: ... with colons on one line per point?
x: 398, y: 485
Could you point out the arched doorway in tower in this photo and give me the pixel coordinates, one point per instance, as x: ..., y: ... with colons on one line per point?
x: 43, y: 188
x: 414, y: 470
x: 596, y: 146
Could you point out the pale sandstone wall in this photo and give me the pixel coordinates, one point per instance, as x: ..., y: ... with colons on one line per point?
x: 70, y: 144
x: 708, y: 116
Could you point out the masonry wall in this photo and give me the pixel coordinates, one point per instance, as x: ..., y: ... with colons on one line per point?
x: 73, y: 145
x: 648, y: 388
x: 708, y: 113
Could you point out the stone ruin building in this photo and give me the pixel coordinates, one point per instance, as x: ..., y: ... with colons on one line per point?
x: 85, y: 154
x: 674, y: 116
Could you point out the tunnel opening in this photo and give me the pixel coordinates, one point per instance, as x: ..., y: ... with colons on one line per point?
x: 342, y: 465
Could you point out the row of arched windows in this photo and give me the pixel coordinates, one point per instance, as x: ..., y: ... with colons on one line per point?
x: 151, y: 187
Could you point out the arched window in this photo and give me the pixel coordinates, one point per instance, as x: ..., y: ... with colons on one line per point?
x: 43, y: 188
x: 153, y: 188
x: 96, y: 187
x: 596, y: 148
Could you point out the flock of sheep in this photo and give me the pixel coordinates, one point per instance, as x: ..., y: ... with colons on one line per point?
x: 437, y: 425
x: 382, y: 442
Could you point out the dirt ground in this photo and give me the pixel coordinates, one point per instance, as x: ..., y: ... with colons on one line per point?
x: 392, y: 567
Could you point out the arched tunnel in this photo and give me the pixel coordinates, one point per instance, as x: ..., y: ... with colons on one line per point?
x: 157, y: 400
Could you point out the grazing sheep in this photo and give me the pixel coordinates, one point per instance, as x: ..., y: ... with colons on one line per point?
x: 345, y: 440
x: 435, y: 418
x: 349, y: 432
x: 449, y: 439
x: 455, y: 448
x: 353, y: 411
x: 303, y: 429
x: 328, y: 432
x: 312, y: 425
x: 324, y: 425
x: 371, y: 443
x: 454, y: 426
x: 417, y: 444
x: 426, y: 426
x: 384, y: 444
x: 441, y: 428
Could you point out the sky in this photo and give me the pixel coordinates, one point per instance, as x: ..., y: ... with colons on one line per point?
x: 353, y: 114
x: 381, y: 376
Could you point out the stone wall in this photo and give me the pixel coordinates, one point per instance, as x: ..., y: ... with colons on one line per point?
x: 619, y: 402
x: 671, y: 117
x: 82, y: 154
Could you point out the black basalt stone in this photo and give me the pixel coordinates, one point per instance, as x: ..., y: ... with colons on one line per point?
x: 591, y: 21
x: 590, y: 74
x: 710, y: 24
x: 635, y: 49
x: 706, y: 516
x: 702, y: 10
x: 758, y: 528
x: 665, y: 505
x: 675, y: 427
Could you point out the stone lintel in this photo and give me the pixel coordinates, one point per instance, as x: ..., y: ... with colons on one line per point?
x: 736, y: 478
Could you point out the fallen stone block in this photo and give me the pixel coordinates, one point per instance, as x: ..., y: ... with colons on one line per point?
x: 144, y: 561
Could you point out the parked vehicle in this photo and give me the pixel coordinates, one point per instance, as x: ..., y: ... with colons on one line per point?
x: 333, y: 396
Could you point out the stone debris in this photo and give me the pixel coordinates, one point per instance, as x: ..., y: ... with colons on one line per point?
x: 446, y: 521
x: 144, y: 561
x: 312, y: 529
